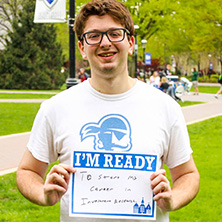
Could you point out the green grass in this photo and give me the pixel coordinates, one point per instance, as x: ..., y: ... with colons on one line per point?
x: 15, y: 208
x: 207, y: 89
x: 17, y: 117
x: 25, y: 96
x: 31, y: 91
x: 188, y: 103
x: 206, y: 143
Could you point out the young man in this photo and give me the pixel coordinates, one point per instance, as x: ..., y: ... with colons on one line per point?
x: 195, y: 81
x: 120, y: 114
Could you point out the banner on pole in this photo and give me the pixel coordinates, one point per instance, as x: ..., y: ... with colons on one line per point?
x: 148, y: 58
x: 50, y: 11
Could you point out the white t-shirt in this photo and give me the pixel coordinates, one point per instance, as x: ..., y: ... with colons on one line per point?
x: 154, y: 119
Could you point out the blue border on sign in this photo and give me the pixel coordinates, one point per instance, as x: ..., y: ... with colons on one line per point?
x: 109, y: 214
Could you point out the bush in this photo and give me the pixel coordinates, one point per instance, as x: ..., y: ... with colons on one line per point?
x: 214, y: 78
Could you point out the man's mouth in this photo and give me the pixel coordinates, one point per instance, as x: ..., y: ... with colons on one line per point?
x: 107, y: 54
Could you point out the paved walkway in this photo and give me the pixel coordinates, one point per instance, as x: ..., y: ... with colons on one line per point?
x: 12, y: 147
x: 211, y: 107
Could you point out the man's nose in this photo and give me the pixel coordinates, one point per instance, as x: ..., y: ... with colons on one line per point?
x: 105, y: 41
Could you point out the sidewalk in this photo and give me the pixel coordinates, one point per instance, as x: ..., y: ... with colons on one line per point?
x: 211, y: 107
x: 12, y: 147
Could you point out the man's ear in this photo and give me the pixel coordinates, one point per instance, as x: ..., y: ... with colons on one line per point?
x: 132, y: 43
x: 82, y: 50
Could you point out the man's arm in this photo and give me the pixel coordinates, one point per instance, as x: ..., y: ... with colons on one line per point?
x: 31, y: 183
x: 185, y: 179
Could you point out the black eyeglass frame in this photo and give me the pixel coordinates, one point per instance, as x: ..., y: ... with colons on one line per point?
x: 125, y: 31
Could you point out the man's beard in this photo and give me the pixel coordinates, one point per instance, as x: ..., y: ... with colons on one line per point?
x: 109, y: 70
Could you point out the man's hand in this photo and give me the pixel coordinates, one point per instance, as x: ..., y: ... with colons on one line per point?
x: 162, y: 190
x: 185, y: 179
x: 56, y: 183
x: 32, y: 184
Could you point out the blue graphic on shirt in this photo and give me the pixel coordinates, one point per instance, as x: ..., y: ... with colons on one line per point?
x: 111, y: 133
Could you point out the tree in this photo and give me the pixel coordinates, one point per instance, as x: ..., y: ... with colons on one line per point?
x: 155, y: 18
x: 208, y: 38
x: 32, y: 58
x: 8, y: 12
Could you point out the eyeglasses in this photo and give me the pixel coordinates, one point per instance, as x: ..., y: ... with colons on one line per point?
x: 95, y: 37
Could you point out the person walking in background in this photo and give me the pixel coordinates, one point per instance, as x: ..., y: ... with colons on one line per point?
x: 220, y: 90
x: 195, y: 81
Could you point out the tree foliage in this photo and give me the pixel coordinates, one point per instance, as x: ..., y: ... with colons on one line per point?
x: 8, y: 13
x: 185, y: 29
x: 174, y: 27
x: 32, y: 58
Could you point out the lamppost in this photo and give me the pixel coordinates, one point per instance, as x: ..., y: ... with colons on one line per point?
x: 144, y: 42
x: 173, y: 64
x: 136, y: 27
x: 210, y: 62
x: 72, y: 54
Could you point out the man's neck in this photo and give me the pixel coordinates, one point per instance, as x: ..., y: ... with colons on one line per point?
x: 113, y: 86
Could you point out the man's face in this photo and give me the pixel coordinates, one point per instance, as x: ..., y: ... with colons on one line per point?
x: 107, y: 58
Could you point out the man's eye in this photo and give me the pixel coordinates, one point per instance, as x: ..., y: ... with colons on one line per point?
x: 115, y: 34
x: 93, y: 35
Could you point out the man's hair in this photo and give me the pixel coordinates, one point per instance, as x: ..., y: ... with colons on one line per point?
x: 117, y: 10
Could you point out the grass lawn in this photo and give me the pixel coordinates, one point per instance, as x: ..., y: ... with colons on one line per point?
x: 206, y: 142
x: 25, y: 96
x: 15, y: 208
x: 188, y: 103
x: 17, y: 117
x: 207, y: 89
x: 31, y: 91
x: 14, y: 115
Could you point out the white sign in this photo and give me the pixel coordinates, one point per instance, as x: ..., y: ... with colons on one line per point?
x: 50, y: 11
x: 112, y: 185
